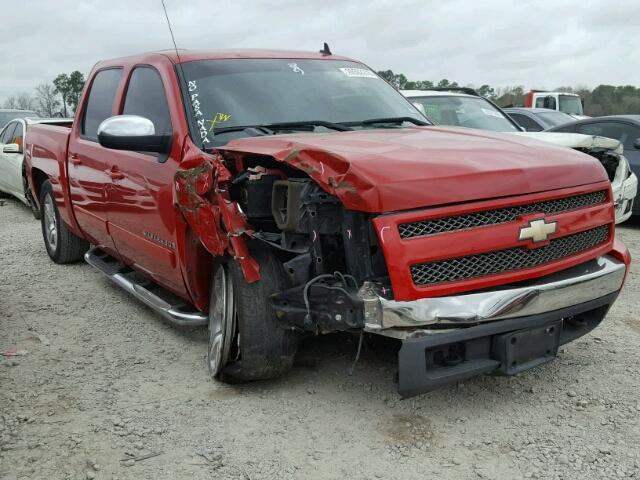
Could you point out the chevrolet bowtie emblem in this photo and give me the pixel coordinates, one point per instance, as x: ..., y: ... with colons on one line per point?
x: 538, y: 230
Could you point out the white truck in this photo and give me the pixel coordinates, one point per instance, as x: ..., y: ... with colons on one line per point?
x: 569, y: 103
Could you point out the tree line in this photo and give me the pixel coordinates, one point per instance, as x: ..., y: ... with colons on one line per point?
x: 56, y: 99
x: 601, y: 100
x: 61, y: 96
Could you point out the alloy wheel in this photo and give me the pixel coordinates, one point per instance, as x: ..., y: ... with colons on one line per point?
x: 221, y: 320
x: 50, y: 224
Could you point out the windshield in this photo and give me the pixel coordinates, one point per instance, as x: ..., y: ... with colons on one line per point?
x: 6, y: 117
x: 471, y: 112
x: 249, y: 92
x: 570, y: 104
x: 553, y: 119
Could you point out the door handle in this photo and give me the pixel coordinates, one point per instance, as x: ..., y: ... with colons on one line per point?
x: 116, y: 174
x: 74, y: 159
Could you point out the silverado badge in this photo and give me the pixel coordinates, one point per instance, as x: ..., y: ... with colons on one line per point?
x: 538, y: 230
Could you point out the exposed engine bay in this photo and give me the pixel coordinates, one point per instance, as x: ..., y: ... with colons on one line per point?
x: 327, y: 251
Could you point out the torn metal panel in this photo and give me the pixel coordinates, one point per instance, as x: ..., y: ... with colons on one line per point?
x: 201, y: 195
x: 201, y: 215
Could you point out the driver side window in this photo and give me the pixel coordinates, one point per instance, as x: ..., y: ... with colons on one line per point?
x: 146, y: 97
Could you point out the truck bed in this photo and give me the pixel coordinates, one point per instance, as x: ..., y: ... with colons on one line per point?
x: 46, y: 157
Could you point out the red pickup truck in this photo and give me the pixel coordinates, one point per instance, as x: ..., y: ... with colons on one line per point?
x: 274, y: 194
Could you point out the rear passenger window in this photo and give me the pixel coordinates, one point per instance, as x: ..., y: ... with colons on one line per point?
x: 100, y: 103
x: 146, y: 97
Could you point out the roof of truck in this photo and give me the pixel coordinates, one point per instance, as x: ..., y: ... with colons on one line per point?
x: 549, y: 92
x: 183, y: 56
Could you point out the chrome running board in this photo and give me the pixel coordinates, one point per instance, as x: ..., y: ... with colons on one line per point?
x: 182, y: 314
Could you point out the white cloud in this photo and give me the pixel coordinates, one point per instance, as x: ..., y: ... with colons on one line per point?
x: 532, y: 43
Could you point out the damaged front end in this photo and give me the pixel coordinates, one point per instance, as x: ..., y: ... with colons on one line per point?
x: 327, y: 251
x: 201, y: 194
x: 410, y: 274
x: 230, y: 200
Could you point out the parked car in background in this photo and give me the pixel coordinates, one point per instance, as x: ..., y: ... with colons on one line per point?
x: 211, y: 193
x: 12, y: 172
x: 537, y: 119
x: 8, y: 114
x: 625, y: 128
x: 463, y: 107
x: 569, y: 103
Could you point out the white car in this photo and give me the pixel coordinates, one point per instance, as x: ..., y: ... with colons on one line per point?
x: 463, y: 108
x: 12, y: 139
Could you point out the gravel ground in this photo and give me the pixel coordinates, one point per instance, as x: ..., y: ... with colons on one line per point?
x: 100, y: 379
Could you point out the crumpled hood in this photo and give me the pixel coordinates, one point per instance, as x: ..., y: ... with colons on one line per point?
x: 575, y: 140
x: 385, y: 170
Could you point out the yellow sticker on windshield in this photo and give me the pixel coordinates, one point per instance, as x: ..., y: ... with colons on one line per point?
x: 219, y: 117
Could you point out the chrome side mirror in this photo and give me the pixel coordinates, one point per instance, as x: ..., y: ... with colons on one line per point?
x: 11, y: 148
x: 132, y: 132
x: 636, y: 144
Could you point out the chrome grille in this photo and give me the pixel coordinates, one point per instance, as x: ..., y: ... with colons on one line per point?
x: 500, y: 215
x: 501, y: 261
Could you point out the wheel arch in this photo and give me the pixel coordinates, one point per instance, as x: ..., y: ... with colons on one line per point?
x: 38, y: 177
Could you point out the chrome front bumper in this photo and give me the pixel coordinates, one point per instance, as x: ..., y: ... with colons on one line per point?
x: 567, y: 288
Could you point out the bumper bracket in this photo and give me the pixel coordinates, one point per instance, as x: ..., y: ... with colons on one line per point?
x: 443, y: 357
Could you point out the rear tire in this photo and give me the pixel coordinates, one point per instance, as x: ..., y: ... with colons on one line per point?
x: 61, y: 244
x: 260, y: 348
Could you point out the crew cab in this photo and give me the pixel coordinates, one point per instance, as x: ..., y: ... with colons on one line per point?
x: 463, y: 107
x: 276, y: 194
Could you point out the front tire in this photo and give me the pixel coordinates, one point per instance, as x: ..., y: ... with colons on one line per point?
x: 61, y: 244
x: 250, y: 343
